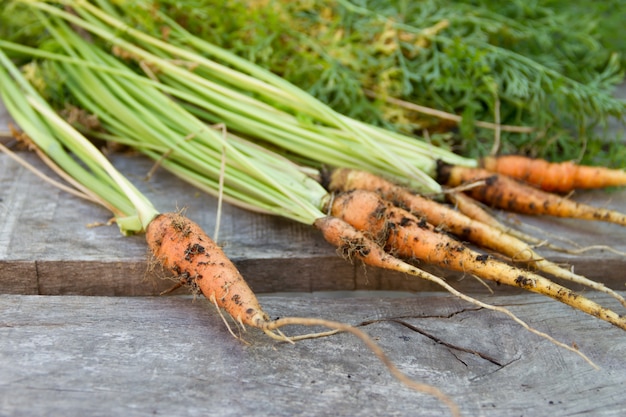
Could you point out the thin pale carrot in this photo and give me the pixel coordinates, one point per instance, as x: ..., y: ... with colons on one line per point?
x: 354, y: 244
x: 465, y: 228
x: 411, y: 237
x: 475, y: 210
x: 472, y: 209
x: 506, y: 193
x: 559, y: 177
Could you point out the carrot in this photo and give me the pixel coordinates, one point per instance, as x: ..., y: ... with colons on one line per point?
x: 181, y: 246
x: 562, y: 177
x: 411, y: 237
x: 457, y: 223
x: 472, y: 209
x: 506, y: 193
x: 352, y: 243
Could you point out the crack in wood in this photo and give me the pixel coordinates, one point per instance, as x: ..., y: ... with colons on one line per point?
x: 436, y: 339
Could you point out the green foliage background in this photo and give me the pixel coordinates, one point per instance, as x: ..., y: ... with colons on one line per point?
x: 548, y: 64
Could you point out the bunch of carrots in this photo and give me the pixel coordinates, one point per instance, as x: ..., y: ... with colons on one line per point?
x: 366, y: 212
x: 177, y: 243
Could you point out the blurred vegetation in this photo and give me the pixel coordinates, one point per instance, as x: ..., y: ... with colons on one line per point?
x: 548, y: 64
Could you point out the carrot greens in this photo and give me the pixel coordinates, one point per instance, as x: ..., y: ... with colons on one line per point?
x: 56, y: 138
x: 468, y: 58
x: 291, y: 119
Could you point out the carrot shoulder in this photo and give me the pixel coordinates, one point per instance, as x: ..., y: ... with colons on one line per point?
x: 506, y: 193
x: 560, y: 177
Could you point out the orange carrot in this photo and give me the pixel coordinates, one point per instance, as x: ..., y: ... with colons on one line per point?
x: 560, y: 177
x: 411, y: 237
x: 448, y: 219
x: 506, y: 193
x: 473, y: 209
x: 476, y: 211
x: 182, y: 247
x: 351, y: 243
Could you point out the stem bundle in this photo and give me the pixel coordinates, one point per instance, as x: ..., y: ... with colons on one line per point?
x: 252, y: 101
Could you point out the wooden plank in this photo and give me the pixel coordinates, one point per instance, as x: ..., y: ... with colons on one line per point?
x: 172, y: 356
x: 47, y: 227
x: 18, y: 277
x: 45, y: 242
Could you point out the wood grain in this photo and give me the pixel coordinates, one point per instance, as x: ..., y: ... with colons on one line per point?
x: 104, y: 356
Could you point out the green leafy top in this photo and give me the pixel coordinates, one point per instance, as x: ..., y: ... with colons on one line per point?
x: 546, y: 64
x: 543, y: 62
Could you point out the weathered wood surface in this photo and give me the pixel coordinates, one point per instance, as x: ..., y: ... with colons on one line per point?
x: 121, y: 356
x: 47, y: 248
x: 45, y: 241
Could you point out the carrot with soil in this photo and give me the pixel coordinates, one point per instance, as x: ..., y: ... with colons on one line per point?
x: 473, y: 209
x: 411, y: 237
x: 506, y: 193
x: 465, y: 228
x: 561, y: 177
x: 352, y: 243
x: 181, y: 246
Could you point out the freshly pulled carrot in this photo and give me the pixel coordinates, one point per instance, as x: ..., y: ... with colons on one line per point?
x: 476, y: 211
x: 462, y: 226
x: 555, y: 177
x: 181, y: 246
x: 352, y: 243
x: 506, y: 193
x: 411, y: 237
x: 473, y: 209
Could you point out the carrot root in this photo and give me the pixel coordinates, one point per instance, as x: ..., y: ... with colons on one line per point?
x: 182, y: 247
x: 465, y: 228
x: 352, y: 243
x: 472, y: 209
x: 508, y: 194
x: 377, y: 350
x: 562, y: 177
